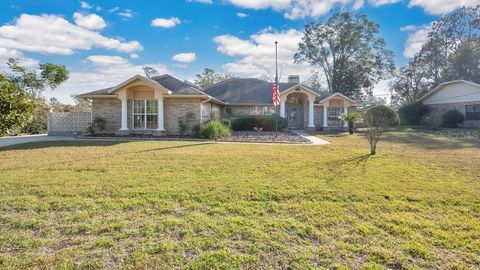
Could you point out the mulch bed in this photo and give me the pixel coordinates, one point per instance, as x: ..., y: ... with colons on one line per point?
x: 265, y: 137
x: 287, y: 137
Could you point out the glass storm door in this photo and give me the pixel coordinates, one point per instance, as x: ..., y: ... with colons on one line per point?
x: 292, y: 118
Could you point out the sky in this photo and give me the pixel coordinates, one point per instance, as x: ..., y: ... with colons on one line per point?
x: 103, y: 43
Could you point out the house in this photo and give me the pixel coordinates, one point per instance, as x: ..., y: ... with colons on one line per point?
x: 460, y: 95
x: 155, y: 105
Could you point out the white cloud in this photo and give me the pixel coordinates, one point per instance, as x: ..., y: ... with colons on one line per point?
x: 134, y: 55
x: 112, y: 10
x: 201, y: 1
x: 256, y: 55
x: 377, y: 3
x: 261, y: 4
x: 127, y: 14
x: 242, y: 15
x: 89, y: 21
x: 299, y: 9
x: 85, y: 5
x: 101, y: 71
x: 417, y: 36
x: 185, y: 57
x: 12, y: 53
x: 165, y: 23
x: 53, y: 34
x: 438, y: 7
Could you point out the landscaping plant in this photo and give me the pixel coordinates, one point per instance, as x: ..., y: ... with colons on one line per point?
x: 97, y: 124
x: 214, y: 129
x: 412, y: 114
x: 452, y: 118
x: 266, y: 122
x: 350, y: 118
x: 377, y: 118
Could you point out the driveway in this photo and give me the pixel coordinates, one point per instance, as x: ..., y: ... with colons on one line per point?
x: 12, y: 140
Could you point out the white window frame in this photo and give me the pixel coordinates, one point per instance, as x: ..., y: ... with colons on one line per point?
x: 145, y: 114
x: 262, y: 110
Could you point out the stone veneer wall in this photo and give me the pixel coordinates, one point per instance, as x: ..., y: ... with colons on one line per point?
x: 436, y: 111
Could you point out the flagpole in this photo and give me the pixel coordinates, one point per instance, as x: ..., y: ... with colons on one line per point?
x: 276, y: 82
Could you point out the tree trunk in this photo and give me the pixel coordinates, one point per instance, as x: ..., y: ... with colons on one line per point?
x: 350, y: 127
x: 373, y: 148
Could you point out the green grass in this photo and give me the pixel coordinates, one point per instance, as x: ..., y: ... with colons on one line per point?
x: 170, y: 205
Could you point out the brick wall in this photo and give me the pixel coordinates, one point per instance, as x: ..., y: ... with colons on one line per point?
x: 109, y: 109
x: 175, y: 108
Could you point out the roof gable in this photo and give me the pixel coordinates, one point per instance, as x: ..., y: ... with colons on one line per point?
x: 453, y: 92
x: 145, y: 80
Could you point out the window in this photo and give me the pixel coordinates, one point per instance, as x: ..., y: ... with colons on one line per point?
x: 262, y: 110
x: 472, y: 112
x: 334, y: 116
x: 145, y: 114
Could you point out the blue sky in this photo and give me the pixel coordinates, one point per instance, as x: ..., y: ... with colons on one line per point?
x: 105, y: 42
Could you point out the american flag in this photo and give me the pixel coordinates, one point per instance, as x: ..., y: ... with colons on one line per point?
x: 275, y: 94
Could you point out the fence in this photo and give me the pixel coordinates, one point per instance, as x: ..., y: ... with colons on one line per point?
x: 68, y: 123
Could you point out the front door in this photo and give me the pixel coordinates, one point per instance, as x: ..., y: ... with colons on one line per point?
x: 294, y: 118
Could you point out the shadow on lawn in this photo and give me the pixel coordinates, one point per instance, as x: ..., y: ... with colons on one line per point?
x: 95, y: 157
x: 64, y: 143
x: 346, y: 166
x: 441, y: 139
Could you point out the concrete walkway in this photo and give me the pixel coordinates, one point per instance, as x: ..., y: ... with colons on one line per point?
x: 314, y: 139
x: 12, y: 140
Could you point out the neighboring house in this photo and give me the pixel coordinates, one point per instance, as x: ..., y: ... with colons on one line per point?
x: 155, y: 106
x: 460, y: 95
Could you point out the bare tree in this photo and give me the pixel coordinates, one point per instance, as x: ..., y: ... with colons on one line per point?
x: 377, y: 119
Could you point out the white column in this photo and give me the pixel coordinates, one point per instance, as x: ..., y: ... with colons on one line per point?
x: 124, y: 125
x: 325, y: 118
x: 345, y: 110
x: 160, y: 114
x: 310, y: 112
x: 282, y: 108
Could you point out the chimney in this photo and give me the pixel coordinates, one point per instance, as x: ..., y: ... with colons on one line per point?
x: 294, y: 79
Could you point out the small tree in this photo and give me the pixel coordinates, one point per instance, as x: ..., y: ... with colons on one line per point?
x: 377, y: 118
x: 350, y: 118
x: 16, y: 106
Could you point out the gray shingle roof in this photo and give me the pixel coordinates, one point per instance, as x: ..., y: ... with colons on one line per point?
x: 97, y: 92
x: 247, y: 90
x: 236, y: 90
x: 177, y: 86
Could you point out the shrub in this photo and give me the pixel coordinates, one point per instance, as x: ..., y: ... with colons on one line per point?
x: 38, y: 122
x: 214, y: 129
x: 184, y: 123
x: 377, y: 118
x: 97, y: 124
x: 266, y: 122
x: 412, y: 114
x: 196, y: 131
x: 452, y: 118
x: 183, y: 127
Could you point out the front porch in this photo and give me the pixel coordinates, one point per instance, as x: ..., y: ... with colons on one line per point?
x: 305, y: 109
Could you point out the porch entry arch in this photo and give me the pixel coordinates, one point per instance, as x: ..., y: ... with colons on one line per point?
x: 295, y: 104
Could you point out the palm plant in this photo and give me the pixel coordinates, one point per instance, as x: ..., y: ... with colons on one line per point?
x: 350, y: 118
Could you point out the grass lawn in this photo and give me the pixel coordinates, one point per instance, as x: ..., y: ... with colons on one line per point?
x: 170, y: 205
